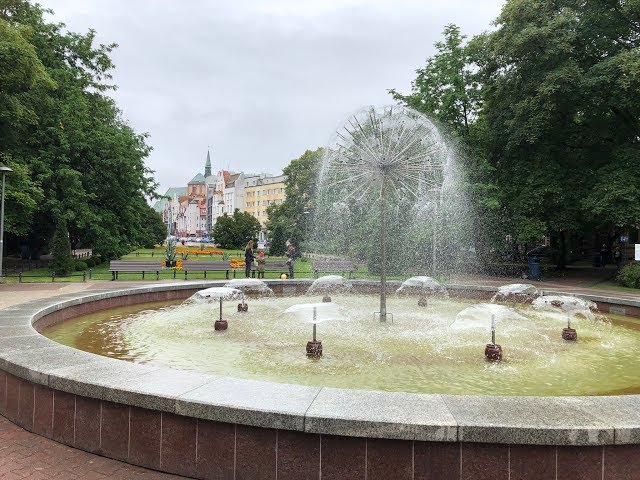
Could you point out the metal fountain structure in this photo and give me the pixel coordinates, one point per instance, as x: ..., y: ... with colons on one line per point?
x: 389, y: 157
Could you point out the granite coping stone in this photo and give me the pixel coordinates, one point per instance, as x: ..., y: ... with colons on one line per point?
x: 598, y: 298
x: 485, y: 419
x: 154, y: 390
x: 7, y: 331
x: 528, y: 420
x: 18, y: 319
x: 249, y: 402
x: 622, y: 412
x: 397, y: 415
x: 23, y: 343
x: 36, y: 364
x: 92, y: 378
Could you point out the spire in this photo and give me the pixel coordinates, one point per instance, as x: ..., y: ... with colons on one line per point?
x: 207, y: 165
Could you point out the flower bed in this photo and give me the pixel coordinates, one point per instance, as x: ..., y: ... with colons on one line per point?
x: 236, y: 263
x: 178, y: 265
x: 206, y: 251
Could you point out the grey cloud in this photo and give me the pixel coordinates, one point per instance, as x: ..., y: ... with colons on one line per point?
x: 260, y: 88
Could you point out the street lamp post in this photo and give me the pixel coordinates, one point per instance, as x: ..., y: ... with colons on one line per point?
x: 5, y: 171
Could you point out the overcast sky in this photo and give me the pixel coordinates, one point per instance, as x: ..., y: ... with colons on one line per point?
x: 259, y: 81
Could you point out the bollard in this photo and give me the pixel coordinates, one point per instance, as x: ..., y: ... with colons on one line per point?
x: 84, y: 276
x: 20, y: 277
x: 53, y: 276
x: 90, y: 274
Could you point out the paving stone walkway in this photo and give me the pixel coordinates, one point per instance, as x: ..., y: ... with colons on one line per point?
x: 24, y: 455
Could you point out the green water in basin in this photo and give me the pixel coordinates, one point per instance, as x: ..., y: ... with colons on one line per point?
x: 418, y: 352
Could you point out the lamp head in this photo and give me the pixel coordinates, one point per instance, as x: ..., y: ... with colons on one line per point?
x: 5, y: 170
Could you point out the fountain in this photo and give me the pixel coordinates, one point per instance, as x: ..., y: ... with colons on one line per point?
x: 571, y: 306
x: 329, y: 284
x: 314, y: 313
x: 483, y: 316
x: 393, y: 179
x: 217, y: 294
x: 423, y: 287
x: 516, y: 293
x: 379, y: 171
x: 248, y: 285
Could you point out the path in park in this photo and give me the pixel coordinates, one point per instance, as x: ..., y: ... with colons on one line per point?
x: 24, y: 455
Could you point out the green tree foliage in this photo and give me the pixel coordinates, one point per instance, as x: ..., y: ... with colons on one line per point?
x: 288, y: 221
x: 235, y: 231
x: 560, y: 94
x: 445, y: 88
x: 73, y: 154
x: 554, y: 126
x: 62, y: 263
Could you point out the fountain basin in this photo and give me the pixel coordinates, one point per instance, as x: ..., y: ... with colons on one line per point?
x: 89, y: 402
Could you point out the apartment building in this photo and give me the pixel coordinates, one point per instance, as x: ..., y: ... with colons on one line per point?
x: 261, y: 191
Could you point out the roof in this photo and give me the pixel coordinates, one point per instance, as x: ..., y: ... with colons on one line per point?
x: 170, y: 193
x: 199, y: 178
x: 231, y: 180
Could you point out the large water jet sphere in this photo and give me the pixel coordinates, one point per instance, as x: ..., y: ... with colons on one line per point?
x: 381, y: 169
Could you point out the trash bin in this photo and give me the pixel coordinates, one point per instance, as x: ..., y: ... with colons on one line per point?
x: 596, y: 260
x: 534, y: 268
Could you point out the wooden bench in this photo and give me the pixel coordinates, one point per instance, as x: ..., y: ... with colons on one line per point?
x: 117, y: 266
x: 199, y: 266
x: 328, y: 266
x: 272, y: 266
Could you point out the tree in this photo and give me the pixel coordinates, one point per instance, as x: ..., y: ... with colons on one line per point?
x: 235, y: 231
x: 560, y: 86
x: 446, y: 87
x: 74, y: 155
x: 448, y: 91
x: 62, y: 263
x: 288, y: 221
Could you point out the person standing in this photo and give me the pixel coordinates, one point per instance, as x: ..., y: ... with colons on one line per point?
x: 291, y: 255
x: 604, y: 253
x: 248, y: 259
x: 617, y: 257
x: 261, y: 265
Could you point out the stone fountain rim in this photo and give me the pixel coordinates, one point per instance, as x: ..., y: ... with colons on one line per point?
x: 571, y: 420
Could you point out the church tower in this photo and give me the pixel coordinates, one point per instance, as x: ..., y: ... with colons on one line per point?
x: 207, y: 166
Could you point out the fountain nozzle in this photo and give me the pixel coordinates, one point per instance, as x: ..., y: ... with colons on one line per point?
x: 220, y: 324
x: 314, y: 347
x: 569, y: 333
x: 493, y: 351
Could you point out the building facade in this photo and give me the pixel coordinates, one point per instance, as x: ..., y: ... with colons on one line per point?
x: 261, y: 191
x: 194, y: 210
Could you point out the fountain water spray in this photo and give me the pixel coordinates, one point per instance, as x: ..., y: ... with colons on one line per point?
x: 571, y: 306
x: 329, y: 284
x: 383, y: 165
x: 217, y: 293
x: 249, y: 285
x: 242, y: 306
x: 320, y: 312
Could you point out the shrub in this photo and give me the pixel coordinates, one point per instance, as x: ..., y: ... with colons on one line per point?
x: 81, y: 266
x: 629, y: 275
x: 90, y: 262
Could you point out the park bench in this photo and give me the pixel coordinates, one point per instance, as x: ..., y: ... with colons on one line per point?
x: 280, y: 266
x: 199, y: 266
x: 117, y: 266
x: 333, y: 266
